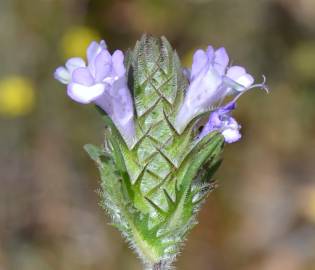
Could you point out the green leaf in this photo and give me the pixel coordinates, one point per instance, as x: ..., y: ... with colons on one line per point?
x: 93, y: 151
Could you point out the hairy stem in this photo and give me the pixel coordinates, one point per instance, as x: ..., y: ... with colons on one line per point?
x: 161, y: 265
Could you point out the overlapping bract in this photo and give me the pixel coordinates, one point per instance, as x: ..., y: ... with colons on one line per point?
x: 161, y: 181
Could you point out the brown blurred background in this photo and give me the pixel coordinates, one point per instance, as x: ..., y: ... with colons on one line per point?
x: 263, y: 215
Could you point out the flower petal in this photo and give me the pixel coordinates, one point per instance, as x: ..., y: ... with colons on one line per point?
x: 199, y: 61
x: 74, y: 63
x: 239, y: 75
x: 210, y: 53
x: 117, y: 102
x: 202, y: 92
x: 245, y: 80
x: 82, y: 76
x: 222, y: 121
x: 94, y: 49
x: 118, y: 63
x: 85, y: 94
x: 63, y: 75
x: 102, y: 64
x: 235, y: 72
x: 221, y: 60
x: 104, y: 101
x: 122, y: 101
x: 228, y: 107
x: 231, y: 135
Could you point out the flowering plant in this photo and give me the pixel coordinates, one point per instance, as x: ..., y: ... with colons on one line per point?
x: 156, y: 167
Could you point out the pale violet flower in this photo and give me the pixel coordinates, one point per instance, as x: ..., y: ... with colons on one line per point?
x: 211, y: 80
x: 221, y: 120
x: 64, y: 74
x: 102, y: 81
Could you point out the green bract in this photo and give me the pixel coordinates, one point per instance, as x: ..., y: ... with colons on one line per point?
x: 153, y: 189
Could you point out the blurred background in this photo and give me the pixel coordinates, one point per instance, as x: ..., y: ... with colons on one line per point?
x: 262, y: 217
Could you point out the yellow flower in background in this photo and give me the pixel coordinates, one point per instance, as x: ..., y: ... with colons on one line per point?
x: 76, y: 40
x: 17, y: 96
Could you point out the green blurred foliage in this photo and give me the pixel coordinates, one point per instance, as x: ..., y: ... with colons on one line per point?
x: 263, y: 215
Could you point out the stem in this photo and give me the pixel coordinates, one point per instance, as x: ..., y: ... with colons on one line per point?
x: 161, y: 265
x: 157, y: 266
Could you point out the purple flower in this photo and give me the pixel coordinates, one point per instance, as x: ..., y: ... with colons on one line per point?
x: 221, y: 121
x: 101, y: 81
x: 211, y: 80
x: 64, y: 74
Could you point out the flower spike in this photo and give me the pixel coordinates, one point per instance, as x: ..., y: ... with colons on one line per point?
x: 155, y: 165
